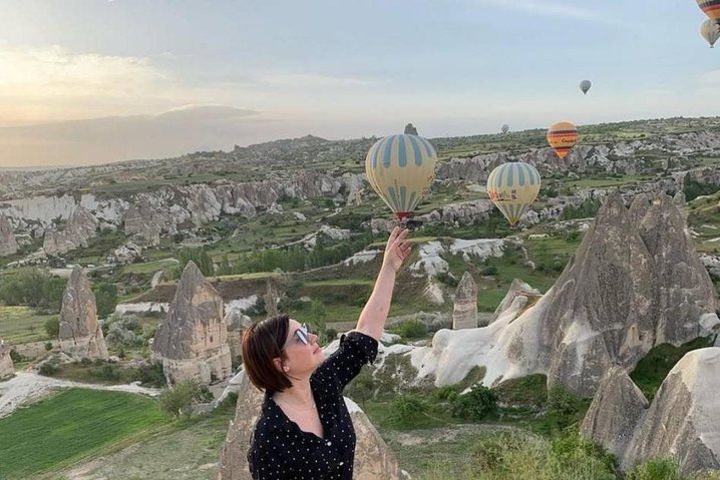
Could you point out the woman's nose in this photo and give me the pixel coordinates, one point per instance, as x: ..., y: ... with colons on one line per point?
x: 313, y: 338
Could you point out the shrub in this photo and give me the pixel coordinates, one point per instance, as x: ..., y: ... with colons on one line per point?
x: 16, y: 357
x: 48, y: 369
x: 490, y: 270
x: 52, y: 327
x: 410, y: 329
x: 477, y: 404
x: 48, y: 346
x: 656, y: 469
x: 150, y: 375
x: 406, y: 409
x: 34, y: 288
x: 178, y: 400
x: 105, y: 298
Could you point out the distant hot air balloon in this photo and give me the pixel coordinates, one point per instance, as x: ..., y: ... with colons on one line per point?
x: 505, y: 128
x: 711, y: 8
x: 512, y: 187
x: 562, y: 137
x: 401, y: 169
x: 585, y: 86
x: 710, y: 31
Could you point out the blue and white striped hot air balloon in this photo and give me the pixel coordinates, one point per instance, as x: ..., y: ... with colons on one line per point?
x: 401, y: 169
x: 512, y: 187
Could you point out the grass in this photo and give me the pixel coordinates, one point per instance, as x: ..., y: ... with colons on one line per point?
x: 650, y: 372
x: 72, y: 425
x: 22, y: 325
x: 150, y: 267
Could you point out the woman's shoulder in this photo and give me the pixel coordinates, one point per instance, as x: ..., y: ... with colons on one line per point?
x: 269, y: 421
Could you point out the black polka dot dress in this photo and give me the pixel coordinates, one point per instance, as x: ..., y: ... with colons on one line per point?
x: 281, y: 450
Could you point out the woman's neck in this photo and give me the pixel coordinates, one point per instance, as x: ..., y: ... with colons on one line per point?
x: 300, y: 394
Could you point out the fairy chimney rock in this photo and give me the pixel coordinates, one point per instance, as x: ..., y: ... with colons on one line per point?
x: 80, y: 333
x: 465, y: 306
x: 7, y: 368
x: 192, y: 342
x: 8, y: 244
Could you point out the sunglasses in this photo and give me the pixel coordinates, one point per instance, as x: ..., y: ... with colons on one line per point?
x: 302, y: 334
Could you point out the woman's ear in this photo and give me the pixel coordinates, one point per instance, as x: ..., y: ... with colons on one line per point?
x: 279, y: 365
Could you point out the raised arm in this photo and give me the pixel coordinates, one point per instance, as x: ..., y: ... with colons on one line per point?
x: 373, y: 316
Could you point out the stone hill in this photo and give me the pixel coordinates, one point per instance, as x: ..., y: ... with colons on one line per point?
x: 681, y: 421
x: 80, y: 333
x: 192, y: 341
x: 626, y: 289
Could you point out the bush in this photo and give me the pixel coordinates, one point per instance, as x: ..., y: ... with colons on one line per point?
x: 48, y: 369
x: 201, y: 258
x: 52, y: 327
x: 34, y: 288
x: 105, y: 298
x: 16, y: 357
x: 406, y: 409
x: 477, y: 404
x: 48, y: 346
x: 410, y: 329
x: 656, y: 469
x: 490, y: 270
x: 178, y: 400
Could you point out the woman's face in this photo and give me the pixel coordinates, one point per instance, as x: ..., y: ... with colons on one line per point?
x: 301, y: 358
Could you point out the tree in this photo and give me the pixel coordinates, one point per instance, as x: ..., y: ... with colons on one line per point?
x: 52, y: 327
x: 105, y: 298
x: 178, y: 400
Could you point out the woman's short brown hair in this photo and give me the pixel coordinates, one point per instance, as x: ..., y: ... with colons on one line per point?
x: 261, y: 343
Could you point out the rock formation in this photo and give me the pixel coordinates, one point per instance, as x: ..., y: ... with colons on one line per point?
x: 8, y: 243
x: 465, y: 305
x: 7, y: 368
x: 518, y: 295
x: 236, y: 322
x: 627, y: 289
x: 614, y: 412
x: 80, y: 228
x: 192, y: 340
x: 80, y: 334
x: 684, y: 291
x: 373, y: 459
x: 680, y: 422
x: 682, y: 419
x: 141, y: 222
x: 638, y: 208
x: 410, y: 129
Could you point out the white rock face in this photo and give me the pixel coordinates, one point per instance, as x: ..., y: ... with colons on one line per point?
x: 430, y: 263
x: 480, y: 248
x: 363, y: 256
x: 7, y: 369
x: 8, y: 243
x: 682, y: 420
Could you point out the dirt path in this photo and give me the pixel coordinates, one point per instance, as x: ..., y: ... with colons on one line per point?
x: 27, y: 387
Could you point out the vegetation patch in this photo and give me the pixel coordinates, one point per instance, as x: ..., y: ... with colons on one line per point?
x: 69, y: 426
x: 651, y: 371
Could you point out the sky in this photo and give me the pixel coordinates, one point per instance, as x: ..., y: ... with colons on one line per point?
x: 94, y: 81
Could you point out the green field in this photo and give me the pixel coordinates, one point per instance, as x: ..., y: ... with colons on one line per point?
x: 70, y: 426
x: 22, y: 325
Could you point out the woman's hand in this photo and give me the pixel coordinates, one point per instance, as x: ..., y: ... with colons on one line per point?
x: 398, y: 248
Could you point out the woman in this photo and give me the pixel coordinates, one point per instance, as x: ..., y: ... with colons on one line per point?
x: 304, y: 430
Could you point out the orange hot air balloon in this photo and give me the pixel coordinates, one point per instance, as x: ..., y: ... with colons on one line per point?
x: 562, y: 137
x: 711, y: 8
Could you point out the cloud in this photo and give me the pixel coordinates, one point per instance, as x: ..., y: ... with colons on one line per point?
x: 545, y: 8
x: 100, y: 140
x: 311, y: 80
